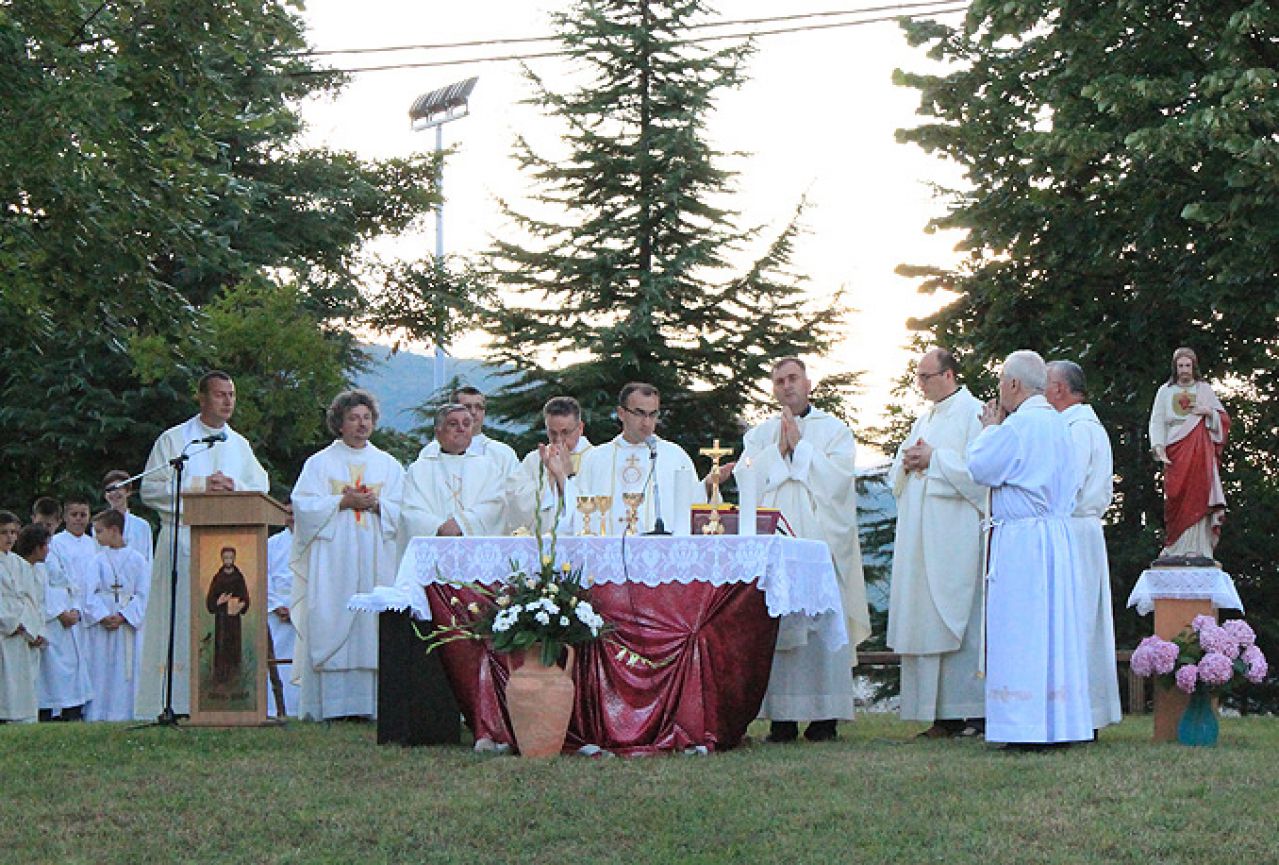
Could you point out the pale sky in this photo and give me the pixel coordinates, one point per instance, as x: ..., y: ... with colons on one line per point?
x: 817, y: 117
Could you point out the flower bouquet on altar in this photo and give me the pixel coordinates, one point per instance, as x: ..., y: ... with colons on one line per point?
x: 1203, y: 659
x: 546, y: 608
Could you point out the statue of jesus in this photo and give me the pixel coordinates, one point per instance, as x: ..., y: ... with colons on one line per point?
x: 1188, y: 429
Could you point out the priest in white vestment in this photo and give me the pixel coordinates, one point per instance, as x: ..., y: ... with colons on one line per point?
x: 1066, y: 393
x: 1036, y: 664
x: 805, y: 459
x: 224, y: 465
x: 22, y: 624
x: 68, y: 569
x: 137, y: 531
x: 639, y: 462
x: 935, y: 602
x: 346, y: 512
x: 450, y: 491
x: 279, y: 597
x: 114, y: 612
x: 481, y: 445
x: 546, y: 485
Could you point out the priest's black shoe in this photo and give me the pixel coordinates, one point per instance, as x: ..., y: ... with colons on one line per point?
x: 821, y: 731
x: 782, y: 731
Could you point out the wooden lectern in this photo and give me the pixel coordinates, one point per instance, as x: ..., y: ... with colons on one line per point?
x: 228, y: 667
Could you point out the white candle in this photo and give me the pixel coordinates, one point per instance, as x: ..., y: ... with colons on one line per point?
x: 681, y: 501
x: 747, y: 496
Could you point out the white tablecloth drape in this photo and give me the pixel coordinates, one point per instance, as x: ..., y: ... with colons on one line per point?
x: 795, y: 575
x: 1191, y: 584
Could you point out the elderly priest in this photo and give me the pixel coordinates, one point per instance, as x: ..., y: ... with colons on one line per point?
x: 451, y: 491
x: 221, y: 460
x: 1036, y: 666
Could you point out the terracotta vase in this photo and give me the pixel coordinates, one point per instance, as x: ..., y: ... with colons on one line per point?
x: 539, y: 701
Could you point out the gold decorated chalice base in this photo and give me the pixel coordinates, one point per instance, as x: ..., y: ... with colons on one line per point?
x: 632, y: 502
x: 586, y: 507
x: 604, y: 504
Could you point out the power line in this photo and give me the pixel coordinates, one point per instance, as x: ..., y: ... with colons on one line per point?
x: 520, y: 40
x: 428, y: 64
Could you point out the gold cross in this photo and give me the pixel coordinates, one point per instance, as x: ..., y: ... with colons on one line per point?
x: 357, y: 484
x: 716, y: 453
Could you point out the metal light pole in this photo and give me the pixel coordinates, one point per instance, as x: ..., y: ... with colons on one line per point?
x: 433, y: 110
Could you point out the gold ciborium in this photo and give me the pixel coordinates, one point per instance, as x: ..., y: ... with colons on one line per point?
x: 604, y: 504
x: 632, y: 502
x: 586, y: 507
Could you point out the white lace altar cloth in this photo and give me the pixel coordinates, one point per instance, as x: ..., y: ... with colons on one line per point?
x: 796, y: 576
x: 1187, y: 584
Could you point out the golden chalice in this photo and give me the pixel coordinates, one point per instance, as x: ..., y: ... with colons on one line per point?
x: 604, y: 504
x: 586, y: 507
x: 632, y: 502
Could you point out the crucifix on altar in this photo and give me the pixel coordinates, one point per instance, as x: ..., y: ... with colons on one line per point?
x: 716, y: 453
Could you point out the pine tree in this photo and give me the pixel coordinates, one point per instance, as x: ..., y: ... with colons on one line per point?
x: 628, y: 277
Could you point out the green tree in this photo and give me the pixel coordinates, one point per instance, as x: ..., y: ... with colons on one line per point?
x: 1122, y: 199
x: 150, y: 165
x: 623, y: 275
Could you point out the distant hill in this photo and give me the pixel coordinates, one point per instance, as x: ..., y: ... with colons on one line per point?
x: 404, y: 380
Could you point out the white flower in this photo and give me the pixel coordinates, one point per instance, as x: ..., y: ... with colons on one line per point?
x: 563, y: 621
x: 543, y: 618
x: 530, y: 583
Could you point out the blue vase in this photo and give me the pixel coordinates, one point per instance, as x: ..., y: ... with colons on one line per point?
x: 1198, y: 724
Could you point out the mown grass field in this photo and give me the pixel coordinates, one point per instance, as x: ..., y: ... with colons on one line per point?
x: 317, y: 793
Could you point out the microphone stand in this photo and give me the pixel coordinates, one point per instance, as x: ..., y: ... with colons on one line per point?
x: 167, y: 717
x: 659, y: 527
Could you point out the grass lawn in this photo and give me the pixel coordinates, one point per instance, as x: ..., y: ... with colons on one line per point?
x: 316, y: 793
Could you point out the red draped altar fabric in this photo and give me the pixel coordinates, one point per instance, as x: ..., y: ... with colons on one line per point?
x: 710, y: 648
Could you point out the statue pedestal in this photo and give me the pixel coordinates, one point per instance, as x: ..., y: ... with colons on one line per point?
x: 1176, y: 596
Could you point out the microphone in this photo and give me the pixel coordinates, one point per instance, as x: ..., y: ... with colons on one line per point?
x: 659, y: 528
x: 219, y: 436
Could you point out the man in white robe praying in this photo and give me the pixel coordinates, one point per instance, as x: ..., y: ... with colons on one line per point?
x: 1066, y: 393
x: 639, y: 462
x: 346, y: 512
x: 546, y: 482
x: 805, y: 458
x: 66, y: 572
x: 137, y: 531
x: 1036, y: 665
x: 502, y: 453
x: 935, y: 605
x: 226, y: 465
x: 279, y: 597
x: 450, y: 491
x: 114, y: 611
x: 22, y: 639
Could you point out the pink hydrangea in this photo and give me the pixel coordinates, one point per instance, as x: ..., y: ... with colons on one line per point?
x: 1198, y: 623
x: 1241, y: 632
x: 1215, y: 639
x: 1187, y: 677
x: 1154, y: 656
x: 1215, y: 669
x: 1257, y: 666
